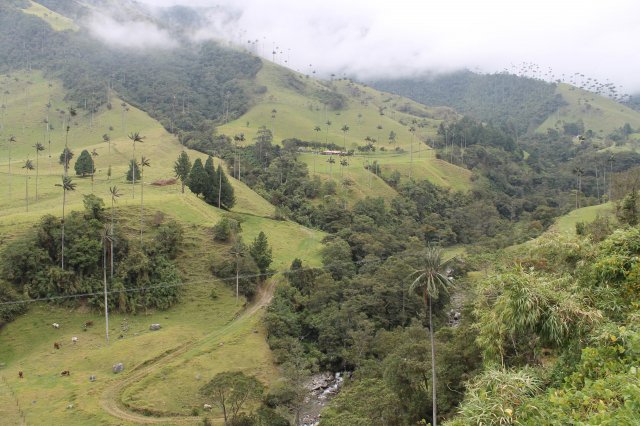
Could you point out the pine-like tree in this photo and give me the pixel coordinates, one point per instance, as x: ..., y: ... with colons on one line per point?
x: 211, y: 190
x: 227, y: 197
x: 84, y: 164
x: 261, y: 252
x: 182, y: 168
x: 197, y: 178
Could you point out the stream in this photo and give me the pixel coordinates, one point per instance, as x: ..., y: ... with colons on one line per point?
x: 321, y: 389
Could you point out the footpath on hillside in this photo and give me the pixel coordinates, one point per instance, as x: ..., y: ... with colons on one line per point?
x: 111, y: 400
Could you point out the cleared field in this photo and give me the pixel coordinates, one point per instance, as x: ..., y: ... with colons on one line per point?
x: 599, y: 114
x: 192, y: 331
x: 55, y: 20
x: 367, y: 113
x: 567, y: 223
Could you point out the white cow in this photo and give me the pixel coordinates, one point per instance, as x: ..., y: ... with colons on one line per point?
x: 74, y: 339
x: 207, y: 407
x: 55, y: 325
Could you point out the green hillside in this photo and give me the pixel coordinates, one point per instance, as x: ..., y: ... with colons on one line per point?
x: 199, y: 334
x: 57, y: 21
x: 517, y: 103
x: 299, y: 109
x: 599, y: 114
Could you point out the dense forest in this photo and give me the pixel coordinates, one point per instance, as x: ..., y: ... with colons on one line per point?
x: 514, y: 103
x: 181, y: 88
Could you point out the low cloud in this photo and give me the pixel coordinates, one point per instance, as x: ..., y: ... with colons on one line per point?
x: 136, y: 34
x: 381, y: 38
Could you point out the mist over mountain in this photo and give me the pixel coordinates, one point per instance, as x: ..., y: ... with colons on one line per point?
x: 376, y: 40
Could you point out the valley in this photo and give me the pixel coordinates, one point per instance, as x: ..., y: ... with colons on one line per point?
x: 462, y: 248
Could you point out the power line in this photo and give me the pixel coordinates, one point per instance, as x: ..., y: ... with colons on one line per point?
x: 181, y: 284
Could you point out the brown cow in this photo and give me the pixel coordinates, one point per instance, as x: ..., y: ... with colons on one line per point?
x: 65, y: 373
x: 88, y: 324
x: 56, y: 345
x: 20, y: 375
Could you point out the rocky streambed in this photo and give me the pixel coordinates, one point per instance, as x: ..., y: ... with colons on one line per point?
x: 321, y: 389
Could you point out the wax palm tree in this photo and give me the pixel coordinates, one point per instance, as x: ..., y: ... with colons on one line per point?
x: 236, y: 139
x: 144, y: 162
x: 12, y: 139
x: 115, y: 194
x: 72, y: 113
x: 611, y: 160
x: 273, y: 120
x: 28, y: 166
x: 106, y: 239
x: 39, y: 148
x: 135, y: 137
x: 94, y: 154
x: 67, y: 185
x: 106, y: 138
x: 578, y: 172
x: 345, y: 129
x: 412, y: 130
x: 328, y: 123
x: 331, y: 160
x: 431, y: 279
x: 343, y: 163
x: 317, y: 129
x: 238, y: 251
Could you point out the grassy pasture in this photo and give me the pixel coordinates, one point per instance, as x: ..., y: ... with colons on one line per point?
x: 199, y: 321
x: 600, y: 114
x: 55, y: 20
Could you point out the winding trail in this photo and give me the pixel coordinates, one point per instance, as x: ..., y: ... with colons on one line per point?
x: 111, y: 400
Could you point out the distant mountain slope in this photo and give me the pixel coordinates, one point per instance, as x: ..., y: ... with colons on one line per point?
x: 293, y: 106
x: 592, y: 112
x: 181, y: 87
x: 517, y: 102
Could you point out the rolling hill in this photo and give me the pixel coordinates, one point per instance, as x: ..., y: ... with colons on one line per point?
x: 195, y: 328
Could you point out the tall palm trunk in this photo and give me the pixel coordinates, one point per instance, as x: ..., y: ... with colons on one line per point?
x: 26, y: 190
x: 220, y: 187
x: 112, y: 238
x: 133, y: 172
x: 427, y: 302
x: 37, y: 172
x: 411, y: 157
x: 237, y: 280
x: 10, y: 176
x: 64, y: 201
x: 104, y: 279
x: 141, y: 201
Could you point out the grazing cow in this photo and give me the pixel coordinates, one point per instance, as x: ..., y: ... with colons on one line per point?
x: 55, y: 325
x: 65, y: 373
x: 207, y: 407
x: 56, y: 345
x: 74, y: 339
x: 88, y: 324
x: 92, y: 378
x: 20, y: 375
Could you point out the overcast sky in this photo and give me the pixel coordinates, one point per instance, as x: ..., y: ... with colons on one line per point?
x: 378, y: 38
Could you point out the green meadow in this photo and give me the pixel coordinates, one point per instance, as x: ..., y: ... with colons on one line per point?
x: 200, y: 336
